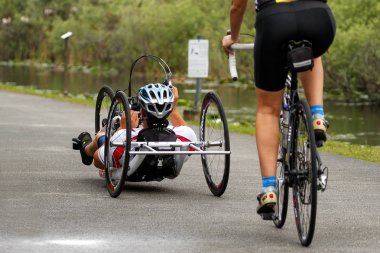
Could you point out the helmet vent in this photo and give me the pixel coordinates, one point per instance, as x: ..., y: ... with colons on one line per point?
x: 160, y: 108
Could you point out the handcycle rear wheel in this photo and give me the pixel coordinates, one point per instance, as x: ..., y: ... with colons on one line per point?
x: 117, y: 157
x: 214, y: 128
x: 305, y: 180
x: 103, y: 103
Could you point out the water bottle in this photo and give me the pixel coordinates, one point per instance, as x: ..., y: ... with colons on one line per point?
x: 285, y: 124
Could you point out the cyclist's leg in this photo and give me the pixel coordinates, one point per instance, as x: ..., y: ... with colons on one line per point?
x: 273, y: 30
x: 320, y: 30
x: 98, y: 159
x: 268, y: 107
x: 98, y: 141
x: 312, y: 82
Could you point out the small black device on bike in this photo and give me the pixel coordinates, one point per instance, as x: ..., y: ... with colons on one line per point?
x: 300, y: 56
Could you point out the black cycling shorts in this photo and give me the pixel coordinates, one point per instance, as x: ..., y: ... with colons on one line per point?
x: 279, y: 23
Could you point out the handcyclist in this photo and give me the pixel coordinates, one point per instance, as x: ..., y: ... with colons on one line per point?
x: 278, y: 22
x: 157, y: 101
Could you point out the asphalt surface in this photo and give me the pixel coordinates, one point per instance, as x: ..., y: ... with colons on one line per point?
x: 50, y: 202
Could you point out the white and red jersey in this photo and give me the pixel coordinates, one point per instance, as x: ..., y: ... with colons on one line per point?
x: 183, y: 133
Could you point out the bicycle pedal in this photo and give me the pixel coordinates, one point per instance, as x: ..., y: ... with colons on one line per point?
x: 319, y: 143
x: 267, y: 216
x: 322, y: 179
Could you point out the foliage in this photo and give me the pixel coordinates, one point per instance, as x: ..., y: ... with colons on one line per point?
x: 113, y: 33
x: 354, y: 60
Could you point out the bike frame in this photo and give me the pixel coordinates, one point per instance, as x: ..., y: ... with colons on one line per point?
x: 291, y: 90
x: 148, y: 148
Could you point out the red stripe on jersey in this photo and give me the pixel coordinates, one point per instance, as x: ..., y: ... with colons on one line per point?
x: 184, y: 139
x: 117, y: 154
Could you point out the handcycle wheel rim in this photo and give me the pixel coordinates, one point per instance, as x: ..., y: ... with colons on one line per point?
x: 103, y: 103
x: 115, y: 185
x: 209, y: 132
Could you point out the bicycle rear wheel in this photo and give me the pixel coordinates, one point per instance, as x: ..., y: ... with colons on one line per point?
x: 305, y: 179
x: 103, y: 103
x: 116, y: 154
x: 214, y: 129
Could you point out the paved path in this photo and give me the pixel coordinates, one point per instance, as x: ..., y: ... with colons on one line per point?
x: 50, y: 202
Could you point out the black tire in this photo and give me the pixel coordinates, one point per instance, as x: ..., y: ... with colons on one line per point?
x: 213, y: 127
x: 281, y: 208
x: 305, y: 181
x: 115, y: 179
x: 103, y: 103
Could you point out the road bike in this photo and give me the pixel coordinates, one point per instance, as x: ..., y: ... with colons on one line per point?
x: 299, y: 165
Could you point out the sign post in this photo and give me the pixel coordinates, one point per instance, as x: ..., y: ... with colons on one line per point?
x: 66, y: 37
x: 198, y: 64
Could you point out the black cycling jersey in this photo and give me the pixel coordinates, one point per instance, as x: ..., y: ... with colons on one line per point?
x: 263, y: 3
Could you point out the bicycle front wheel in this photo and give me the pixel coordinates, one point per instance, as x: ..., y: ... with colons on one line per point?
x: 304, y: 167
x: 117, y: 144
x: 103, y: 103
x: 214, y: 132
x: 281, y: 207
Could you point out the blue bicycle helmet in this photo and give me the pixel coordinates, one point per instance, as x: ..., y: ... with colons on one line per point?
x: 156, y: 100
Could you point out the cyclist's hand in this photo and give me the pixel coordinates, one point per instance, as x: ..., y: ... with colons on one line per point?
x: 175, y: 93
x: 134, y: 119
x: 226, y: 43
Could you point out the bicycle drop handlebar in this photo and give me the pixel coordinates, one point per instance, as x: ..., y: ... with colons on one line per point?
x: 232, y: 57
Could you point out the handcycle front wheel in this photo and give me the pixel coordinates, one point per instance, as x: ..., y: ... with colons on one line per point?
x: 214, y: 129
x: 116, y: 154
x: 305, y: 181
x: 103, y: 103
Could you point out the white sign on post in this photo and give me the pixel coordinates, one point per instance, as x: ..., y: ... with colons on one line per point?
x: 198, y: 59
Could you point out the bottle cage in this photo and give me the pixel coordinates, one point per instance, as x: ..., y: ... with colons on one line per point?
x: 300, y: 56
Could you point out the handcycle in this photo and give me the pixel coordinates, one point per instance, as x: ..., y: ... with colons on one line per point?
x: 165, y: 158
x: 299, y: 165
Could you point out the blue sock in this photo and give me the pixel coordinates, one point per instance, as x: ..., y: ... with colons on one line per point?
x: 317, y: 111
x: 269, y: 183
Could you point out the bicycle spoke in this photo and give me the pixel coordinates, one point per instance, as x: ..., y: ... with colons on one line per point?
x: 304, y: 186
x: 214, y: 129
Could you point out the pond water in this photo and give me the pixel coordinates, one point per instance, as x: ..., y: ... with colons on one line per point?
x: 351, y: 123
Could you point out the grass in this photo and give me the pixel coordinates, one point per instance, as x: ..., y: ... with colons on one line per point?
x: 362, y: 152
x: 56, y: 95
